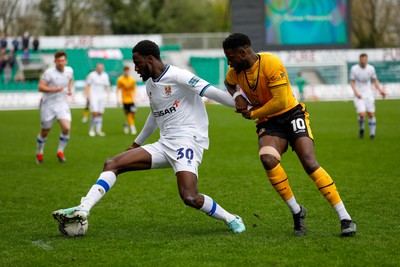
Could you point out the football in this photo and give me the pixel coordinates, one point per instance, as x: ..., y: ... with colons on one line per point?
x: 73, y: 229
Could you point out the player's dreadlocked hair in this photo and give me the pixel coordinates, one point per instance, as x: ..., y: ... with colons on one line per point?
x: 147, y: 48
x: 236, y: 40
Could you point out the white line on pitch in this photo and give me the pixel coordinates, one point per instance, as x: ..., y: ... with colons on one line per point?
x: 43, y: 245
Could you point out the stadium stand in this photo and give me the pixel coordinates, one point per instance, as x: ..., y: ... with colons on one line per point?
x: 209, y: 68
x: 78, y: 59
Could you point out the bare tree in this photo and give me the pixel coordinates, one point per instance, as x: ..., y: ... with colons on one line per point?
x: 74, y: 16
x: 375, y: 23
x: 7, y: 9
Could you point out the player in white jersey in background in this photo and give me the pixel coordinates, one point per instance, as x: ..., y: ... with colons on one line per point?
x: 55, y: 84
x: 178, y: 111
x: 361, y: 75
x: 98, y: 86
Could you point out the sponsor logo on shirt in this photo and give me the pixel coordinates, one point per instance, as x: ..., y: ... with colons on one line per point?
x: 167, y: 111
x: 194, y: 81
x: 281, y: 76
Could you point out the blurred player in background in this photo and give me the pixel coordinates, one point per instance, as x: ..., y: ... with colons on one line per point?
x: 55, y: 84
x: 281, y: 120
x: 300, y: 82
x: 361, y: 75
x: 86, y: 110
x: 178, y: 110
x: 127, y: 86
x: 98, y: 84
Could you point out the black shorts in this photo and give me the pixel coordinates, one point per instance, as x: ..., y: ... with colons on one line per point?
x: 130, y: 108
x: 290, y: 125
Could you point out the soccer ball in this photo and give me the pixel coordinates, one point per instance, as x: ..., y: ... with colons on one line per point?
x: 75, y: 228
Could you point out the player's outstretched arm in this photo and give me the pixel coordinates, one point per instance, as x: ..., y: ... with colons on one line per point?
x: 148, y: 129
x: 219, y: 96
x: 241, y: 102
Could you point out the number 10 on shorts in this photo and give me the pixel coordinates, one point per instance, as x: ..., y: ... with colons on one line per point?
x: 188, y: 153
x: 298, y: 125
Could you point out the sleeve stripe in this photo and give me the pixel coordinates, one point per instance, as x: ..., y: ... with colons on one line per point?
x: 276, y: 86
x: 204, y: 89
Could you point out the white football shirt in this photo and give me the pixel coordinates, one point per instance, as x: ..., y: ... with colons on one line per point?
x: 362, y: 78
x: 53, y: 77
x: 98, y: 84
x: 176, y: 104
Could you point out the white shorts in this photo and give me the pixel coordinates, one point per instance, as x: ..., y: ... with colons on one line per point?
x: 365, y: 104
x: 97, y: 104
x: 180, y: 154
x: 49, y: 113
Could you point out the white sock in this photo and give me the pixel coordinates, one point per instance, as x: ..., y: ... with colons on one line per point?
x: 92, y: 124
x: 99, y: 123
x: 293, y: 205
x: 98, y: 190
x: 63, y: 142
x: 211, y: 208
x: 372, y: 126
x: 341, y: 211
x: 40, y: 144
x: 361, y: 122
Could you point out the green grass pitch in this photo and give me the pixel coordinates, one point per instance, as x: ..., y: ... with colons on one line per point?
x: 143, y: 222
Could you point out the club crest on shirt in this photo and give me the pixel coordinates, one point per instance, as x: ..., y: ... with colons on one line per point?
x: 168, y: 90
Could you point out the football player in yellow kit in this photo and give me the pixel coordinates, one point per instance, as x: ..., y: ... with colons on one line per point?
x: 127, y: 85
x: 281, y: 120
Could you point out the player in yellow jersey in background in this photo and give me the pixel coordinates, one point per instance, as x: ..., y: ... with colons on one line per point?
x: 281, y: 121
x: 127, y: 85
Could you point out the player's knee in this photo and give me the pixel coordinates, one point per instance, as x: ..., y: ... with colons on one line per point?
x: 310, y: 165
x: 269, y: 161
x: 44, y: 133
x: 191, y: 200
x: 109, y: 165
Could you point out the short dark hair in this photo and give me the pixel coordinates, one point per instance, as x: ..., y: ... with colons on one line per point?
x: 126, y: 68
x: 236, y: 40
x: 60, y: 54
x: 363, y: 55
x: 147, y: 48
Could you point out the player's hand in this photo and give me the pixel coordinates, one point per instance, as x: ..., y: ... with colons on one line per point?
x: 246, y: 114
x: 241, y: 103
x: 254, y: 108
x: 69, y: 92
x: 133, y: 146
x: 383, y: 94
x: 358, y: 95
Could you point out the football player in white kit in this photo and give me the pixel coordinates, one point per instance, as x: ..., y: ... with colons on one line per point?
x: 55, y: 84
x: 361, y: 75
x: 98, y: 86
x: 179, y: 112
